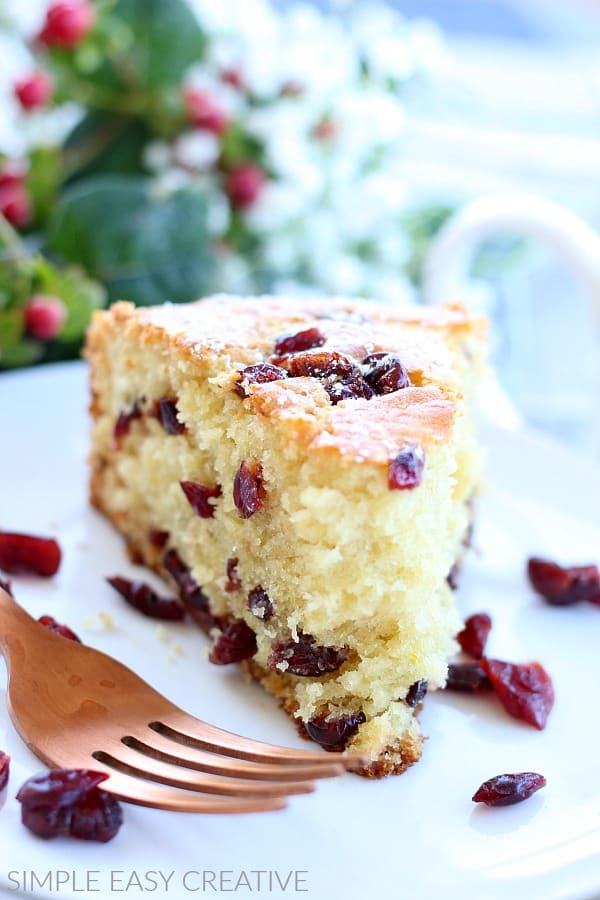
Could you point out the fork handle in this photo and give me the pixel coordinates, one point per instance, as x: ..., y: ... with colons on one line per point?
x: 14, y: 622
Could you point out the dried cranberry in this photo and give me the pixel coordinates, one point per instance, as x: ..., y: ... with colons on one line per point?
x: 198, y: 496
x: 405, y: 471
x: 4, y: 769
x: 468, y: 677
x: 524, y: 689
x: 302, y: 340
x: 166, y: 412
x: 504, y: 790
x: 563, y: 586
x: 416, y: 693
x: 69, y: 802
x: 233, y: 582
x: 143, y: 597
x: 348, y: 389
x: 6, y: 586
x: 236, y: 642
x: 52, y: 625
x: 334, y: 734
x: 259, y: 603
x: 385, y: 373
x: 247, y: 489
x: 191, y: 595
x: 305, y: 657
x: 320, y: 364
x: 474, y: 635
x: 261, y: 373
x: 25, y: 554
x: 158, y: 538
x: 123, y: 423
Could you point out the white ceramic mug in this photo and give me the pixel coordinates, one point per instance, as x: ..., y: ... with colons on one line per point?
x: 447, y: 266
x: 514, y: 213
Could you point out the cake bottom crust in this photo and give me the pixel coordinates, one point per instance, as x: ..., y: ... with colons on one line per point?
x: 393, y: 759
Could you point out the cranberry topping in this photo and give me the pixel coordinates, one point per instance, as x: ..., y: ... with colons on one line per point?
x: 25, y: 554
x: 405, y: 471
x: 385, y: 373
x: 416, y: 693
x: 51, y: 624
x: 69, y: 802
x: 259, y: 603
x: 302, y: 340
x: 191, y: 595
x: 158, y: 538
x: 198, y: 496
x: 348, y: 389
x: 166, y: 411
x: 320, y: 364
x: 236, y: 642
x: 563, y: 586
x: 123, y: 423
x: 143, y: 597
x: 334, y: 734
x: 524, y: 689
x: 4, y: 769
x: 261, y: 373
x: 305, y: 657
x: 233, y: 582
x: 468, y: 677
x: 6, y: 586
x: 504, y: 790
x: 474, y: 635
x: 247, y: 489
x: 452, y: 577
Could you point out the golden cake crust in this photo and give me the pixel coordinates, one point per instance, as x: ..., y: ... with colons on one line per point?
x: 242, y: 332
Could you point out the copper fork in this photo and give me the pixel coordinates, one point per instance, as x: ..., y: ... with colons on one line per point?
x: 76, y: 707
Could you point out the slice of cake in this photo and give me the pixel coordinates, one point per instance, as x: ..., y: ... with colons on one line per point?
x: 303, y: 472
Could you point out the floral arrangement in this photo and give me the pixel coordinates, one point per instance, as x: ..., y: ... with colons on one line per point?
x: 171, y: 149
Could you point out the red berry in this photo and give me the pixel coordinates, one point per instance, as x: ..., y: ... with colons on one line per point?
x: 204, y: 112
x: 524, y: 689
x: 233, y: 77
x: 405, y: 471
x: 12, y: 174
x: 474, y: 635
x: 15, y: 205
x: 26, y: 554
x: 4, y: 769
x: 67, y: 23
x: 51, y: 624
x: 44, y: 317
x: 244, y: 184
x: 34, y: 90
x: 504, y: 790
x: 235, y: 643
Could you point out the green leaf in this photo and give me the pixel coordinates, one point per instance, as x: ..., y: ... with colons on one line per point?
x: 167, y: 39
x: 105, y: 142
x: 43, y: 180
x: 24, y: 354
x: 144, y: 247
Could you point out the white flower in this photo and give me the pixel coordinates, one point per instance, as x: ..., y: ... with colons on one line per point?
x: 198, y: 149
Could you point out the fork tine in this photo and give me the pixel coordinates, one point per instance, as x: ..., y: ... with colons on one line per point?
x: 128, y: 761
x: 157, y: 746
x: 144, y: 793
x: 188, y: 730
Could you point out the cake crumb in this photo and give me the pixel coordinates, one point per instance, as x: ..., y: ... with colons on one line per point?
x: 100, y: 621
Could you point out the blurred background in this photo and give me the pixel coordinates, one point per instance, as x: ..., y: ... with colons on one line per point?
x: 155, y: 151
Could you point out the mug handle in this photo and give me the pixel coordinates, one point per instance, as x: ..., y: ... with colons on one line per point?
x: 451, y: 252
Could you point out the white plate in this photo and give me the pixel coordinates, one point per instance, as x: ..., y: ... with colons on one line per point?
x: 416, y: 836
